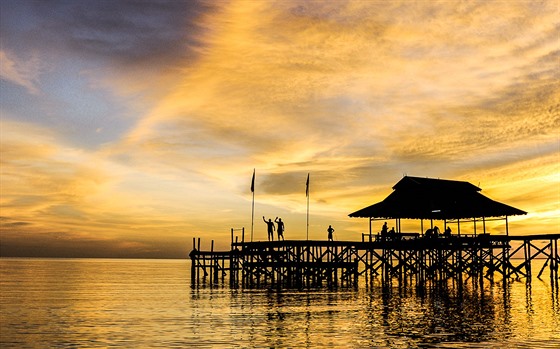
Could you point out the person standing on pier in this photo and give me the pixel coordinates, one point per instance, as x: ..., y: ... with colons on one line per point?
x: 330, y: 230
x: 280, y: 229
x: 270, y: 229
x: 384, y: 229
x: 384, y: 232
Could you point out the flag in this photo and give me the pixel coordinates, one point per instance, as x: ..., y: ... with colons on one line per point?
x: 253, y: 182
x: 307, y: 186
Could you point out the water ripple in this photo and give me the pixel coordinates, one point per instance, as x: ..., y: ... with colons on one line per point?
x: 85, y: 303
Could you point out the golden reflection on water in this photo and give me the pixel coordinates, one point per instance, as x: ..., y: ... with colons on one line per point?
x: 94, y: 303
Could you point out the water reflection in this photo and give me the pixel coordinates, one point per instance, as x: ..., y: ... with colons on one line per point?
x: 434, y: 313
x: 437, y: 315
x: 149, y: 304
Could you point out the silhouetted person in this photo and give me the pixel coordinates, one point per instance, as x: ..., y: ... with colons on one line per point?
x: 280, y: 229
x: 432, y: 232
x: 330, y: 230
x: 384, y: 231
x: 429, y: 233
x: 270, y: 229
x: 447, y: 232
x: 392, y: 234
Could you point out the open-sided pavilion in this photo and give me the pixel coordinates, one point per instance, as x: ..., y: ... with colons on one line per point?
x: 430, y: 199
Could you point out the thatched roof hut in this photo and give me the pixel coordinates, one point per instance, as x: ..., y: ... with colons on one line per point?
x: 436, y: 199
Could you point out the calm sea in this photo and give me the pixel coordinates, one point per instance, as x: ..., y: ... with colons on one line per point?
x: 103, y: 303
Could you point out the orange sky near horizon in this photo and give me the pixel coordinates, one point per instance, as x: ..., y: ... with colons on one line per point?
x: 128, y: 128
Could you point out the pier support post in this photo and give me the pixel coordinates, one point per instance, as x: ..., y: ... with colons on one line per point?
x: 193, y: 269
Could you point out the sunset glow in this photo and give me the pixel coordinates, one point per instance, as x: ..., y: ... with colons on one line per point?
x: 128, y: 128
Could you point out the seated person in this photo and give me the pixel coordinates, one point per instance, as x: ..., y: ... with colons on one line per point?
x: 392, y: 234
x: 429, y: 233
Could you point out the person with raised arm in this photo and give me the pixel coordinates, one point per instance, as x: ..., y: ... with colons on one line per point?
x: 270, y: 228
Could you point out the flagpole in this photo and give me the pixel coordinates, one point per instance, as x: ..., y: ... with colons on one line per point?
x: 307, y: 217
x: 307, y: 194
x: 252, y: 216
x: 253, y: 204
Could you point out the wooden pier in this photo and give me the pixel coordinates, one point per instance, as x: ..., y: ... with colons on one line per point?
x: 417, y: 257
x: 315, y: 263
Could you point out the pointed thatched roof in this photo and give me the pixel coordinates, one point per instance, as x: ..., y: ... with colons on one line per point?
x: 429, y: 198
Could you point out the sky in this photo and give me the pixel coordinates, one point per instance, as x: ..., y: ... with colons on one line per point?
x: 130, y: 127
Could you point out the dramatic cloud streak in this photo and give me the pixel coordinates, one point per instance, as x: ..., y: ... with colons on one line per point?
x: 142, y: 122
